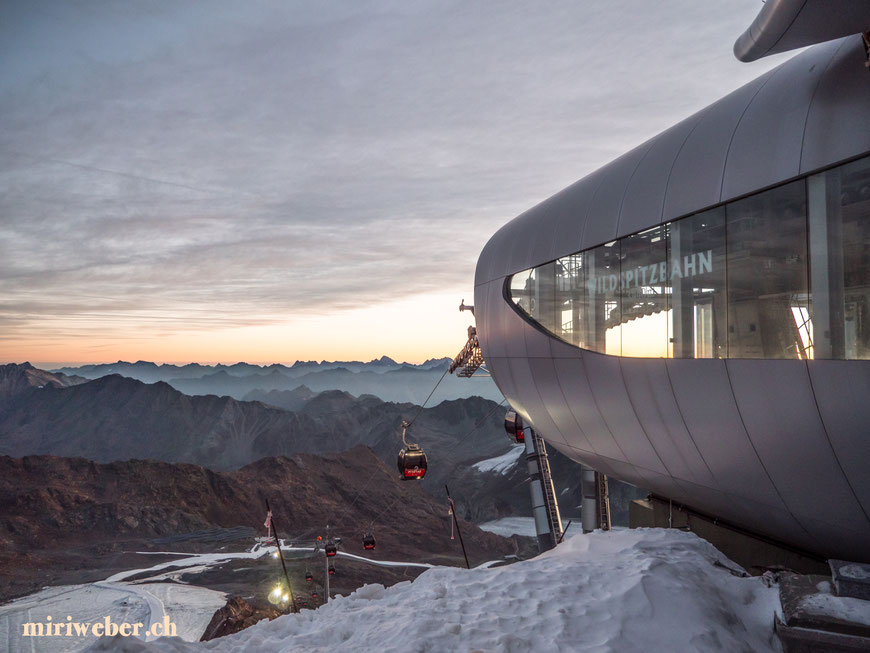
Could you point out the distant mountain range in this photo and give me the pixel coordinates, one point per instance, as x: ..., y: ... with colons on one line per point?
x: 382, y: 377
x: 116, y: 418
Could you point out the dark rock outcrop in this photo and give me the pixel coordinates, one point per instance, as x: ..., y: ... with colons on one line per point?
x: 236, y: 615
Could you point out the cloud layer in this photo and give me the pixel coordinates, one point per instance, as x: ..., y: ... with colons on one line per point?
x: 173, y: 164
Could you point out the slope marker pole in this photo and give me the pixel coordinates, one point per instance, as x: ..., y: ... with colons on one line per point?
x: 281, y: 558
x: 456, y: 522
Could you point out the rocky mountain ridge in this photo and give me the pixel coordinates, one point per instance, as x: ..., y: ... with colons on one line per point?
x: 66, y: 514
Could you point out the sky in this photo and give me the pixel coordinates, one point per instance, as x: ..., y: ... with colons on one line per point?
x: 278, y: 181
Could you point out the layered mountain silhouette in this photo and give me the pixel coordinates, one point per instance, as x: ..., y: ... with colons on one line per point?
x: 382, y: 377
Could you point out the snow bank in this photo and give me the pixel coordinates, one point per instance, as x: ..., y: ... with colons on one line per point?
x: 508, y: 526
x: 645, y: 590
x: 837, y: 607
x: 501, y: 464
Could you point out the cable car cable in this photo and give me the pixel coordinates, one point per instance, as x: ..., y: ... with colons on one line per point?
x: 420, y: 409
x: 480, y: 422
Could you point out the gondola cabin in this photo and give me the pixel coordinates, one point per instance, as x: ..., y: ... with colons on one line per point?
x: 369, y: 542
x: 331, y: 549
x: 308, y: 576
x: 331, y: 570
x: 513, y: 424
x: 412, y: 462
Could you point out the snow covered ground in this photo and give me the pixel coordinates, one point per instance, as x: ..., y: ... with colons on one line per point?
x: 645, y: 590
x: 501, y: 464
x: 508, y: 526
x: 189, y: 608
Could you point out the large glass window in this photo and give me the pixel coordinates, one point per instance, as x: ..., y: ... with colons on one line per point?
x: 737, y: 281
x: 601, y: 302
x: 570, y: 299
x: 698, y: 316
x: 644, y: 293
x: 767, y: 274
x: 839, y: 207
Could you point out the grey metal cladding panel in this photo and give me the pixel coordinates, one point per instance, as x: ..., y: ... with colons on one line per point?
x: 574, y: 383
x: 645, y: 195
x: 527, y: 390
x: 614, y: 403
x: 777, y: 523
x: 501, y: 374
x: 514, y: 332
x: 549, y: 393
x: 766, y: 147
x: 784, y: 25
x: 824, y: 20
x: 705, y: 400
x: 537, y: 342
x: 548, y: 217
x: 573, y: 211
x: 779, y: 410
x: 664, y: 485
x: 603, y: 214
x: 561, y: 349
x: 622, y: 471
x: 840, y: 541
x: 842, y: 390
x: 491, y: 259
x: 652, y: 397
x: 490, y: 319
x: 598, y: 463
x: 482, y: 316
x: 838, y: 124
x: 554, y: 402
x: 696, y: 177
x: 529, y: 241
x: 768, y: 27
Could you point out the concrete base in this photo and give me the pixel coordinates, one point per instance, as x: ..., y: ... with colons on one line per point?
x: 810, y: 624
x: 851, y: 578
x: 753, y: 553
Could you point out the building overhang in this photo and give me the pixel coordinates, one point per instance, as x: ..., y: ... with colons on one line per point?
x: 784, y: 25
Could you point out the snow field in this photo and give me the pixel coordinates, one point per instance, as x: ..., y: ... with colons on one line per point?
x: 501, y: 464
x: 645, y: 591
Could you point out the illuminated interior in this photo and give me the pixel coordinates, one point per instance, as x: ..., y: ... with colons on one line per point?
x: 784, y: 273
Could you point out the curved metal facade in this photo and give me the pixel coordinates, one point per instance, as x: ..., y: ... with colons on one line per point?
x: 784, y: 25
x: 781, y: 447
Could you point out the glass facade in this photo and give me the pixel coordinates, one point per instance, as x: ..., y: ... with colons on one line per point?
x: 784, y: 273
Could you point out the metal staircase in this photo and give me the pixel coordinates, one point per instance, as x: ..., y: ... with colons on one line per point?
x: 554, y: 519
x: 603, y: 496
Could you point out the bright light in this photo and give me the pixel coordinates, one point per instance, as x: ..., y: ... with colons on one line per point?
x: 276, y: 592
x: 286, y: 598
x: 275, y: 555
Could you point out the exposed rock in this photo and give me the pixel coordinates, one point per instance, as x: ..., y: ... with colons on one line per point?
x: 236, y: 615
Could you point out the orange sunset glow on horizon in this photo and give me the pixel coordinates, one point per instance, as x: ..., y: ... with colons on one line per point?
x: 423, y: 327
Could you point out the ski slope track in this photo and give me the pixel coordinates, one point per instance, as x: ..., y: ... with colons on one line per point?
x: 644, y: 591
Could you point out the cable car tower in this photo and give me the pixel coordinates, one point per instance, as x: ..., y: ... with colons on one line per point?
x: 545, y: 507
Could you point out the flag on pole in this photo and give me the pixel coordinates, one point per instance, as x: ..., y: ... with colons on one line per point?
x: 268, y: 524
x: 450, y: 515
